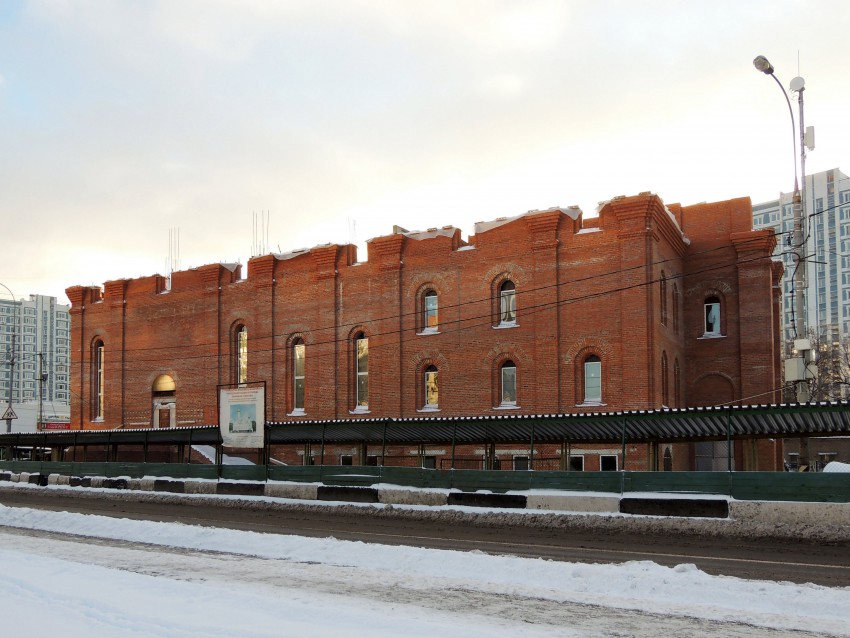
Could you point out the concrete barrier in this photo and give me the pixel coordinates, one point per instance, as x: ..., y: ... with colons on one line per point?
x: 485, y: 499
x: 687, y: 507
x: 347, y: 494
x: 412, y: 497
x: 241, y: 489
x: 788, y: 512
x: 574, y: 503
x: 200, y: 487
x: 298, y: 491
x: 164, y: 485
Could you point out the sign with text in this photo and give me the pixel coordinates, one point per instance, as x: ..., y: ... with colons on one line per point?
x: 241, y: 416
x: 54, y: 425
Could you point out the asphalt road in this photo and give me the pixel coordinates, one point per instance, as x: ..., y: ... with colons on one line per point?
x: 797, y: 561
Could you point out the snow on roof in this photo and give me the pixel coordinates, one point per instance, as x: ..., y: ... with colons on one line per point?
x: 291, y: 253
x: 572, y: 212
x: 445, y: 231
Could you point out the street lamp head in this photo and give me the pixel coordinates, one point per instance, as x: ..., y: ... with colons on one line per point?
x: 762, y: 64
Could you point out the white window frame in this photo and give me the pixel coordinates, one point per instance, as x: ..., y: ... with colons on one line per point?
x: 299, y: 356
x: 99, y: 379
x: 361, y: 369
x: 507, y: 303
x: 507, y: 370
x: 430, y: 313
x: 712, y: 313
x: 431, y: 388
x: 242, y: 355
x: 592, y: 369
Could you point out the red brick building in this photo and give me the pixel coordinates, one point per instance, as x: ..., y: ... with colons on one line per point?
x: 644, y: 306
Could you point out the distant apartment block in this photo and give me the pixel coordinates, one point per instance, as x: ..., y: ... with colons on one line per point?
x: 827, y: 250
x: 40, y: 330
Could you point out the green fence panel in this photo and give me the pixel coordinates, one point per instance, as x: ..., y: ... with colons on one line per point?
x: 296, y: 473
x: 91, y: 468
x: 496, y: 481
x: 243, y: 472
x: 809, y: 487
x: 418, y: 477
x: 677, y: 482
x: 352, y: 475
x: 609, y: 482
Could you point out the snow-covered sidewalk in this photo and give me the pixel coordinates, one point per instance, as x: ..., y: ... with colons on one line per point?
x: 194, y: 581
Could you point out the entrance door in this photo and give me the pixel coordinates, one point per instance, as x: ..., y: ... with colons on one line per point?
x: 164, y: 418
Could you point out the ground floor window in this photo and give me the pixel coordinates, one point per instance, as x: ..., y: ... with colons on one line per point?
x: 607, y: 462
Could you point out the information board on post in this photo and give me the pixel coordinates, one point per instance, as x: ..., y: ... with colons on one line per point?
x: 242, y: 415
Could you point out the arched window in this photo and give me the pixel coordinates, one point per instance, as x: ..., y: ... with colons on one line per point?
x: 240, y: 354
x: 508, y: 383
x: 662, y: 292
x: 430, y: 317
x: 98, y: 382
x: 665, y: 395
x: 361, y: 368
x: 675, y: 309
x: 432, y: 398
x: 507, y: 303
x: 712, y: 316
x: 593, y: 379
x: 298, y: 367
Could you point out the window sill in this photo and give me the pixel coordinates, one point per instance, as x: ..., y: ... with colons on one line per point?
x: 429, y: 409
x: 507, y: 406
x: 591, y: 404
x: 711, y: 335
x: 506, y: 324
x: 360, y: 411
x: 428, y: 331
x: 297, y: 412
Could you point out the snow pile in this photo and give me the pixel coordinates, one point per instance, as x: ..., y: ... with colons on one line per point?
x: 836, y: 466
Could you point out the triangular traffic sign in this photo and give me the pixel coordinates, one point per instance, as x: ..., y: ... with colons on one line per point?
x: 9, y: 414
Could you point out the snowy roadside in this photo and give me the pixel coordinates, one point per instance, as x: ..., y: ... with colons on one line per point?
x: 197, y: 581
x: 815, y: 531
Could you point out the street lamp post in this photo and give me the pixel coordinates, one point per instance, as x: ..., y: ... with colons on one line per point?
x: 796, y: 368
x: 11, y: 363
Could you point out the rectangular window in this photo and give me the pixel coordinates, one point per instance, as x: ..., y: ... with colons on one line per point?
x: 298, y: 376
x: 607, y: 462
x: 431, y: 316
x: 362, y: 345
x: 576, y: 463
x: 99, y: 374
x: 592, y: 380
x: 432, y: 399
x: 507, y: 304
x: 429, y: 462
x: 712, y: 318
x: 346, y: 459
x: 508, y: 385
x: 520, y: 463
x: 242, y: 354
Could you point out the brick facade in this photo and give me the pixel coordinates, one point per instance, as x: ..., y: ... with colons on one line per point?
x: 627, y: 288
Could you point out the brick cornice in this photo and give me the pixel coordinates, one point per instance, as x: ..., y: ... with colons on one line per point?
x: 324, y: 261
x: 755, y: 243
x: 261, y: 270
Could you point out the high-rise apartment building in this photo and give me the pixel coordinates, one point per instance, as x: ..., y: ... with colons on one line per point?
x: 827, y: 253
x: 37, y: 333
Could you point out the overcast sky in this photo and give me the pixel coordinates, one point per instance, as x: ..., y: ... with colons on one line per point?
x: 120, y: 121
